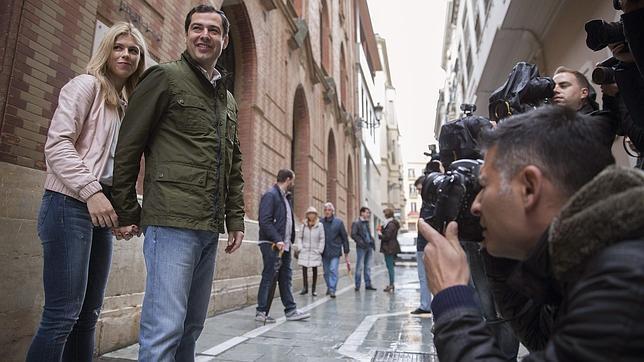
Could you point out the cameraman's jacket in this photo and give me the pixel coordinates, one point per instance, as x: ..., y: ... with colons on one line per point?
x: 579, y: 295
x: 187, y: 130
x: 634, y: 33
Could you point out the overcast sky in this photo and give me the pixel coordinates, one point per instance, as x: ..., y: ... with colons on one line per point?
x: 413, y: 30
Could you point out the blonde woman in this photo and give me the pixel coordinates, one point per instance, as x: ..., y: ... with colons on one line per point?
x: 310, y: 245
x: 76, y: 215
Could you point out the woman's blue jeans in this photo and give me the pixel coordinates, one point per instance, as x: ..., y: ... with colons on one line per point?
x: 77, y: 259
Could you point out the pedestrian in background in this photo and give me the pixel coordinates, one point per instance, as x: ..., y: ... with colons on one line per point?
x: 309, y: 246
x: 335, y: 241
x: 426, y: 210
x: 276, y: 236
x: 389, y: 244
x: 76, y: 214
x: 365, y: 246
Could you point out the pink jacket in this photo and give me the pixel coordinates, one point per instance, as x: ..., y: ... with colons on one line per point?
x: 79, y: 139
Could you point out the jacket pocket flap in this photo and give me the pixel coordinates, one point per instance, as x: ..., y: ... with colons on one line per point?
x: 182, y: 174
x: 185, y: 100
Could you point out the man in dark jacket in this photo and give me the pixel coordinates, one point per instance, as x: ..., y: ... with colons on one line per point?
x: 565, y: 245
x: 335, y: 240
x: 276, y: 236
x: 184, y: 120
x: 365, y: 246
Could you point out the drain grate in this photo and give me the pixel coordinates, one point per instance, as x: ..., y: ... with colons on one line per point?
x: 390, y: 356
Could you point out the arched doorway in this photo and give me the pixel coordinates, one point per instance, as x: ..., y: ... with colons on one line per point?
x: 331, y: 170
x: 240, y: 60
x: 300, y: 152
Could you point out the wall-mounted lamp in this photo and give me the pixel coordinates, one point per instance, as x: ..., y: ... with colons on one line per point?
x: 377, y: 112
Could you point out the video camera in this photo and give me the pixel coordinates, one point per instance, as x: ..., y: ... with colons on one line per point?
x: 452, y: 194
x: 522, y: 91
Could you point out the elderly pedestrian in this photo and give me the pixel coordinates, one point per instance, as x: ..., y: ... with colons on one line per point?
x: 309, y: 246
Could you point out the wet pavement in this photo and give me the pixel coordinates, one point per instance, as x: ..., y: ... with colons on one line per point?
x: 353, y: 326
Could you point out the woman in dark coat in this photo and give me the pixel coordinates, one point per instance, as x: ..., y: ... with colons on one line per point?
x: 389, y: 244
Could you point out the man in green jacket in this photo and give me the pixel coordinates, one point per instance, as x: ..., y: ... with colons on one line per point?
x: 185, y: 122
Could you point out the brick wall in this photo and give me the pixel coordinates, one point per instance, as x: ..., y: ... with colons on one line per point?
x: 283, y: 118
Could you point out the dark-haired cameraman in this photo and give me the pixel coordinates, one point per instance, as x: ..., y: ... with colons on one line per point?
x: 566, y: 246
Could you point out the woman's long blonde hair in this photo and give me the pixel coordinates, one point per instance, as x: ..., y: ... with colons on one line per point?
x: 98, y: 67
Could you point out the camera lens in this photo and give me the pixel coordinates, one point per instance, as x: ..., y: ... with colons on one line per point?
x: 603, y: 75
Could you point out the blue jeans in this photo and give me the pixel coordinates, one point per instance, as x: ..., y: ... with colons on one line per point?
x: 180, y: 264
x: 330, y: 266
x: 77, y: 259
x: 425, y: 295
x: 284, y: 279
x: 363, y: 261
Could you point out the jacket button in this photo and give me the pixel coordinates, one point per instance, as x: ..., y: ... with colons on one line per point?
x: 221, y: 96
x: 180, y: 101
x: 161, y: 175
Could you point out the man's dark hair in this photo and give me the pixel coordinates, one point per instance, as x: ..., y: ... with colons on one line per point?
x: 566, y: 146
x: 363, y: 209
x: 284, y: 174
x: 419, y: 181
x: 207, y: 9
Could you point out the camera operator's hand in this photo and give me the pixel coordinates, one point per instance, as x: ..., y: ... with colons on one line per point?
x: 609, y: 89
x: 631, y: 5
x: 444, y: 258
x: 621, y: 52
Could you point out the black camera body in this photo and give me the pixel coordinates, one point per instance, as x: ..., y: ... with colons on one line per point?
x: 452, y: 195
x: 600, y: 33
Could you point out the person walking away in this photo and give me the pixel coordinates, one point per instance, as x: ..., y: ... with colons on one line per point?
x: 365, y: 246
x: 76, y: 213
x: 309, y: 244
x: 389, y: 245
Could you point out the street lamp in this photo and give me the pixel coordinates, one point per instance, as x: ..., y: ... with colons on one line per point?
x: 377, y: 112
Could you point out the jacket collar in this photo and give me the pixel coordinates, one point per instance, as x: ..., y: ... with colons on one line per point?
x: 198, y: 69
x: 603, y: 212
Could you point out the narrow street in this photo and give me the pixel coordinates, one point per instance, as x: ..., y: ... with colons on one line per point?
x: 354, y: 326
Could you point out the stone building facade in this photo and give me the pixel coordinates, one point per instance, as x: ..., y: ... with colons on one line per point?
x: 294, y: 80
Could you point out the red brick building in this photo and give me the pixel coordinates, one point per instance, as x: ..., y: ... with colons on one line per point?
x: 294, y: 80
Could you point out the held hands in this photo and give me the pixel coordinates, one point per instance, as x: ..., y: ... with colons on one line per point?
x: 101, y: 211
x: 126, y: 232
x: 280, y: 245
x: 234, y: 241
x: 444, y: 258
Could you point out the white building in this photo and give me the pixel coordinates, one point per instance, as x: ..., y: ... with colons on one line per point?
x: 392, y: 182
x: 484, y: 39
